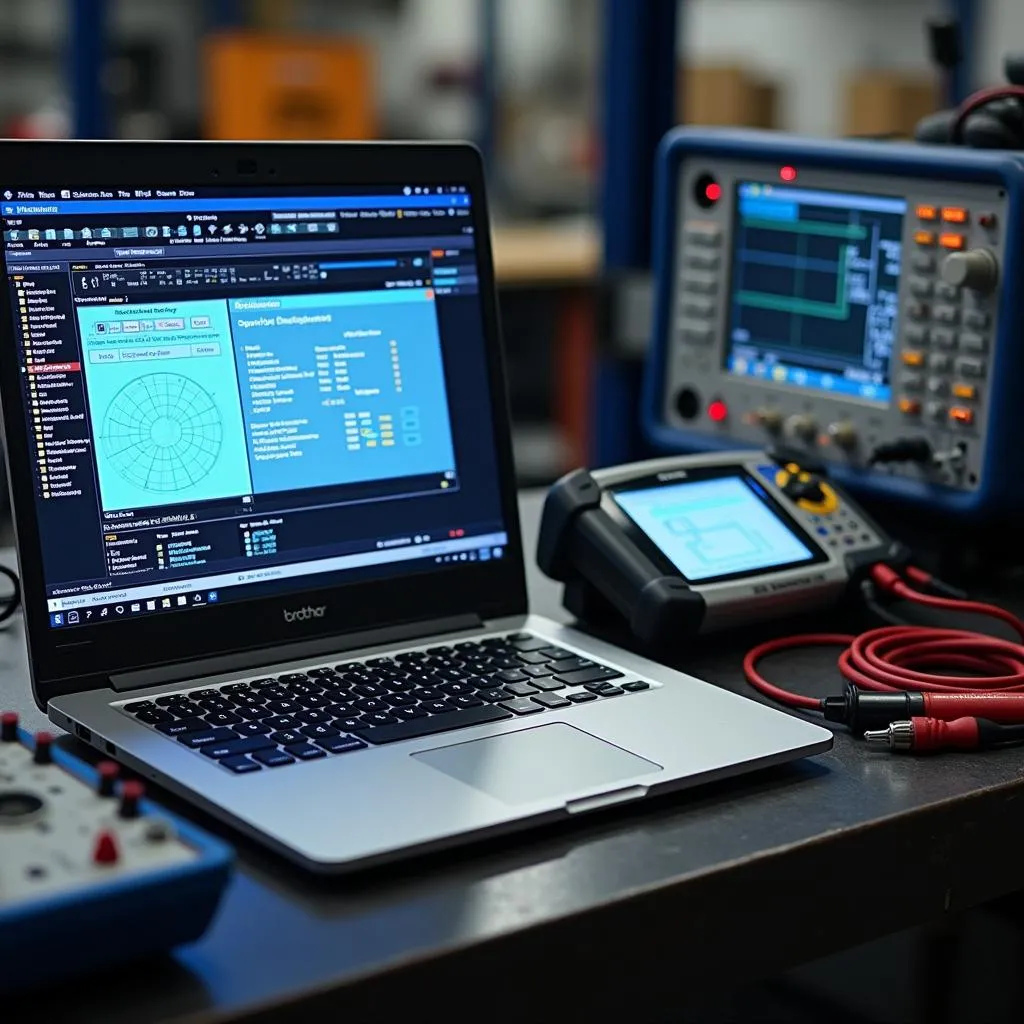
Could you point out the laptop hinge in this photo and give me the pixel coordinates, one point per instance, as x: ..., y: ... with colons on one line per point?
x: 301, y: 650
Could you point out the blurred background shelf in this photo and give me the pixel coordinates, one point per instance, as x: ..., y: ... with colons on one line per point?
x: 566, y: 101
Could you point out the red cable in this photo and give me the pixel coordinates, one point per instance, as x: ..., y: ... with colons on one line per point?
x: 980, y: 99
x: 903, y: 658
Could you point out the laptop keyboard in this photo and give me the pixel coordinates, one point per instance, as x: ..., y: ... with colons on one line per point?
x: 272, y: 721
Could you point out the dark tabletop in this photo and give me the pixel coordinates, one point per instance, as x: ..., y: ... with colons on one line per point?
x: 627, y: 911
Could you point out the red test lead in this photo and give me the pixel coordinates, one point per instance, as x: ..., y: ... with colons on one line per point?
x: 902, y: 674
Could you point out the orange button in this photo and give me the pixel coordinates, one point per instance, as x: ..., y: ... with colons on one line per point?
x: 960, y: 414
x: 966, y: 391
x: 924, y: 237
x: 913, y: 358
x: 954, y: 215
x: 925, y: 212
x: 910, y: 406
x: 951, y: 241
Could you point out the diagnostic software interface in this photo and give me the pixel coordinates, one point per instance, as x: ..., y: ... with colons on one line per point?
x: 713, y: 528
x: 815, y: 281
x: 229, y: 393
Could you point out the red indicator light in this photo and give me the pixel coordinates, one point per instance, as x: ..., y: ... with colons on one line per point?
x: 787, y: 173
x: 713, y: 192
x: 718, y: 411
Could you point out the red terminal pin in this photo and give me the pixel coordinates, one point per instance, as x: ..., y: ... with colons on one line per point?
x: 108, y: 772
x: 787, y: 173
x: 105, y: 850
x: 713, y: 192
x: 718, y: 411
x: 131, y: 793
x: 44, y: 748
x: 9, y: 726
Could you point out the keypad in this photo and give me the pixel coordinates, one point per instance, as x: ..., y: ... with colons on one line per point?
x: 326, y: 710
x: 697, y: 309
x: 946, y: 328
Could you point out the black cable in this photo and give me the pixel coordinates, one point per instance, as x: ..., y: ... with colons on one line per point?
x: 10, y: 604
x: 870, y: 597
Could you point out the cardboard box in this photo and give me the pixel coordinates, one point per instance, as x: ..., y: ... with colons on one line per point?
x: 727, y: 95
x: 276, y: 87
x: 888, y: 103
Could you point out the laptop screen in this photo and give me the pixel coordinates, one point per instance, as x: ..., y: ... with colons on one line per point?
x: 235, y: 393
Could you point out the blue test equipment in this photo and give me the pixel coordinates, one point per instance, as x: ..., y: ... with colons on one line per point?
x: 92, y: 874
x: 852, y: 303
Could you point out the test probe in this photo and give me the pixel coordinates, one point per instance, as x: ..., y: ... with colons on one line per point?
x: 917, y: 688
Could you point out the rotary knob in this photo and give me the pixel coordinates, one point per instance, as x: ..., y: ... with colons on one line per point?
x: 977, y: 269
x: 768, y: 419
x: 843, y: 434
x: 802, y: 427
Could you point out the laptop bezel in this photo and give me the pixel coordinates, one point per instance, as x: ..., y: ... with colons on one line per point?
x: 82, y: 658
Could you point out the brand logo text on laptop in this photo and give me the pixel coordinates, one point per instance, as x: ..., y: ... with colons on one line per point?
x: 303, y: 614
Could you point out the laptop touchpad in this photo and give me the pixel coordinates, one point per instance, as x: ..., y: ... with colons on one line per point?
x: 546, y: 761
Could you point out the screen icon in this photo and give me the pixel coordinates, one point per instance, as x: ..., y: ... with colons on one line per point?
x: 8, y: 194
x: 72, y: 618
x: 275, y: 229
x: 130, y: 232
x: 166, y: 231
x: 88, y: 614
x: 87, y: 232
x: 182, y: 230
x: 165, y: 603
x: 57, y: 619
x: 197, y: 598
x: 119, y: 609
x: 65, y: 193
x: 136, y: 607
x: 197, y: 229
x: 182, y: 600
x: 151, y: 606
x: 50, y: 234
x: 33, y: 234
x: 213, y: 597
x: 105, y: 233
x: 152, y: 231
x: 103, y: 612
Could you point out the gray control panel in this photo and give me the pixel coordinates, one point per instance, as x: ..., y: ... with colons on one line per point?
x: 837, y: 312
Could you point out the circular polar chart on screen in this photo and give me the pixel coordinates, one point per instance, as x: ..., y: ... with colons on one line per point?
x: 162, y: 432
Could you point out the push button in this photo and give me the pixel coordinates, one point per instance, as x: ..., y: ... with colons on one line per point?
x: 970, y: 367
x: 965, y: 392
x: 909, y: 406
x: 970, y: 342
x: 913, y: 358
x: 962, y: 415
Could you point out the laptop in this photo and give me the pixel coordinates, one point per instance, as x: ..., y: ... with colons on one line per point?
x: 259, y: 451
